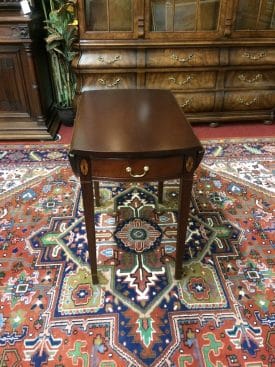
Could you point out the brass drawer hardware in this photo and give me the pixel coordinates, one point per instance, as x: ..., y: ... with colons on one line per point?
x: 254, y: 57
x: 256, y: 78
x: 182, y: 82
x: 182, y: 59
x: 109, y: 62
x: 247, y: 103
x: 145, y: 170
x: 186, y: 103
x: 107, y: 84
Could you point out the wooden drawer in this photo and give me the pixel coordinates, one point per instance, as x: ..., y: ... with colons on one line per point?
x: 107, y: 59
x: 196, y: 102
x: 252, y: 56
x: 108, y: 81
x: 14, y: 31
x: 116, y: 169
x: 250, y: 79
x: 255, y: 100
x: 178, y: 57
x: 181, y: 80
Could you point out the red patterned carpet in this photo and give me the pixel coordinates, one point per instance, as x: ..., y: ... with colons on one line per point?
x: 220, y: 314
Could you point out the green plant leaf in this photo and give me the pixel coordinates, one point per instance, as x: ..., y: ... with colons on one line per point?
x: 61, y: 34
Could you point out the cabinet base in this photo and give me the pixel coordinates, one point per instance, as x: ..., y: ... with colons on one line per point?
x: 214, y: 118
x: 16, y: 129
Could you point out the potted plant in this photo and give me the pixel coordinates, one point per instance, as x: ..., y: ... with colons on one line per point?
x: 61, y: 27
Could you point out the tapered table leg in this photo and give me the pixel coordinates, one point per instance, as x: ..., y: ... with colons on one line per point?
x: 184, y: 209
x: 160, y: 191
x: 88, y: 203
x: 97, y: 193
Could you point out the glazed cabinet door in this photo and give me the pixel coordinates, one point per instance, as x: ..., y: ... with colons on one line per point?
x: 184, y: 19
x: 254, y: 18
x: 109, y: 19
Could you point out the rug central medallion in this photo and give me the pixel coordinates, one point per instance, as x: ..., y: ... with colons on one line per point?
x: 138, y: 235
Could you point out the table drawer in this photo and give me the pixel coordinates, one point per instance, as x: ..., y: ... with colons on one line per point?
x: 137, y: 169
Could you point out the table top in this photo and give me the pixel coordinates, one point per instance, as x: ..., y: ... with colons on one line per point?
x: 131, y: 123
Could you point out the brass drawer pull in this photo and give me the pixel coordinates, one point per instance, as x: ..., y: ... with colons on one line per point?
x: 247, y: 103
x: 145, y: 170
x: 256, y: 78
x: 112, y: 61
x: 254, y: 57
x: 186, y: 103
x: 180, y: 83
x: 182, y: 59
x: 107, y: 84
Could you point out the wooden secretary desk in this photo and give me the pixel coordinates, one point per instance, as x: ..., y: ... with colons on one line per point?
x: 216, y: 56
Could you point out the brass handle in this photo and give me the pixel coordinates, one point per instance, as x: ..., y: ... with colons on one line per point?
x: 111, y: 61
x: 254, y: 57
x: 181, y: 83
x: 145, y: 170
x: 186, y: 103
x: 257, y: 77
x: 182, y: 59
x: 107, y: 84
x: 248, y: 103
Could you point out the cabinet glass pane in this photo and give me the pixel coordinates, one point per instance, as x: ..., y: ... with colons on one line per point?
x: 184, y: 15
x: 109, y: 15
x: 209, y: 15
x: 255, y: 15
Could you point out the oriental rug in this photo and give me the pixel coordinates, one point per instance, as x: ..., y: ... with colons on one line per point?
x: 220, y: 314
